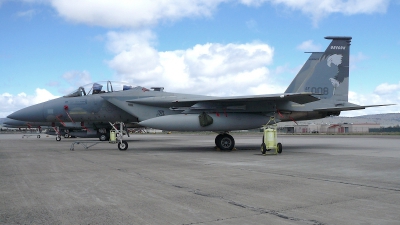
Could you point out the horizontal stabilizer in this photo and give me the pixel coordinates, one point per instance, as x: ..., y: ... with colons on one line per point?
x: 348, y: 108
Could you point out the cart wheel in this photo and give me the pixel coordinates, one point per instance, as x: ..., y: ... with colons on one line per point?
x: 123, y: 146
x: 279, y: 146
x: 263, y: 148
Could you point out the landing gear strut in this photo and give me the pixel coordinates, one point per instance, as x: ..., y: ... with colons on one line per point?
x: 116, y: 136
x: 225, y: 141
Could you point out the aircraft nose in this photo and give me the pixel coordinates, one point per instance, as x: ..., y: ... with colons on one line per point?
x: 32, y: 113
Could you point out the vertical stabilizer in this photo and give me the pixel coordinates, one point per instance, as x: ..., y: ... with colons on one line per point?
x: 326, y: 73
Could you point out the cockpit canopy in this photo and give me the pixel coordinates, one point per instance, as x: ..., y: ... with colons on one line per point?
x: 99, y: 87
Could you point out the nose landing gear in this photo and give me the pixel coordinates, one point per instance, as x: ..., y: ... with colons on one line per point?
x: 116, y: 136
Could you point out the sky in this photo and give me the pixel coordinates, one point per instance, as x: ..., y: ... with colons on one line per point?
x: 211, y: 47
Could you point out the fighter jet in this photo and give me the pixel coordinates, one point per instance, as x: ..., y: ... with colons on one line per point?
x: 320, y: 89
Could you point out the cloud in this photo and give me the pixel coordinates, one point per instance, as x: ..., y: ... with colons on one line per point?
x: 318, y: 10
x: 141, y: 14
x: 10, y: 103
x: 356, y: 59
x: 252, y: 25
x: 212, y: 68
x: 77, y: 78
x: 74, y: 79
x: 133, y: 14
x: 309, y: 46
x: 27, y: 14
x: 375, y: 99
x: 388, y: 89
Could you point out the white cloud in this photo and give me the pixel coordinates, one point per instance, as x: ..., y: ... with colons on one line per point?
x: 27, y: 14
x: 355, y: 59
x: 318, y: 10
x: 309, y: 46
x: 388, y: 89
x: 77, y: 78
x: 212, y: 68
x: 252, y: 25
x: 141, y: 14
x: 11, y: 103
x: 74, y: 79
x: 374, y: 99
x: 134, y: 14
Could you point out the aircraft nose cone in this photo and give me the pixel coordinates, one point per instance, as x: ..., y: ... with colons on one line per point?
x: 32, y: 113
x: 10, y: 122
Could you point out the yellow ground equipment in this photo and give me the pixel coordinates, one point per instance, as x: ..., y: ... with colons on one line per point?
x: 269, y: 141
x: 113, y: 138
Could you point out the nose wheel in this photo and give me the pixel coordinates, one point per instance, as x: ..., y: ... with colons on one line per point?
x: 123, y: 145
x: 116, y: 135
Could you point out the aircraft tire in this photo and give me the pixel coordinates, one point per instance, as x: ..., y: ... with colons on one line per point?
x: 103, y: 137
x: 38, y: 136
x: 123, y: 146
x: 217, y: 138
x: 279, y: 146
x: 225, y: 142
x: 58, y: 138
x: 66, y: 135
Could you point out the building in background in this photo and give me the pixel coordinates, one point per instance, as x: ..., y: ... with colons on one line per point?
x: 339, y: 128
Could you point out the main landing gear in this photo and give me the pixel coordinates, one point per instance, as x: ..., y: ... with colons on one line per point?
x: 103, y: 137
x: 225, y: 141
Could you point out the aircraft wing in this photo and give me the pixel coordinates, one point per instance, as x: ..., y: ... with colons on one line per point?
x: 300, y: 98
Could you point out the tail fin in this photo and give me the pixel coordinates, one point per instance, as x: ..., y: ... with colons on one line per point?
x: 326, y: 73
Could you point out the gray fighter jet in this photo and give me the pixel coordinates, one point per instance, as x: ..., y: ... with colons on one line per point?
x: 320, y: 89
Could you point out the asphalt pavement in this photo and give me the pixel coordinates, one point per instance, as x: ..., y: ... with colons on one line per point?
x: 182, y: 179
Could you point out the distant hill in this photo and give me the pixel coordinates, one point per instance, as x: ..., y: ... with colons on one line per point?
x: 387, y: 116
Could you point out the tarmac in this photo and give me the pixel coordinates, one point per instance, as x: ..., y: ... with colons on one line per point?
x: 182, y: 179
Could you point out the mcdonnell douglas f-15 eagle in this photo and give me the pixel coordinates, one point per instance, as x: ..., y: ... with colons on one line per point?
x: 320, y: 89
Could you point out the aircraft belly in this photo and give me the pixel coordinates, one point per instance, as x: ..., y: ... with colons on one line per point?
x: 221, y: 122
